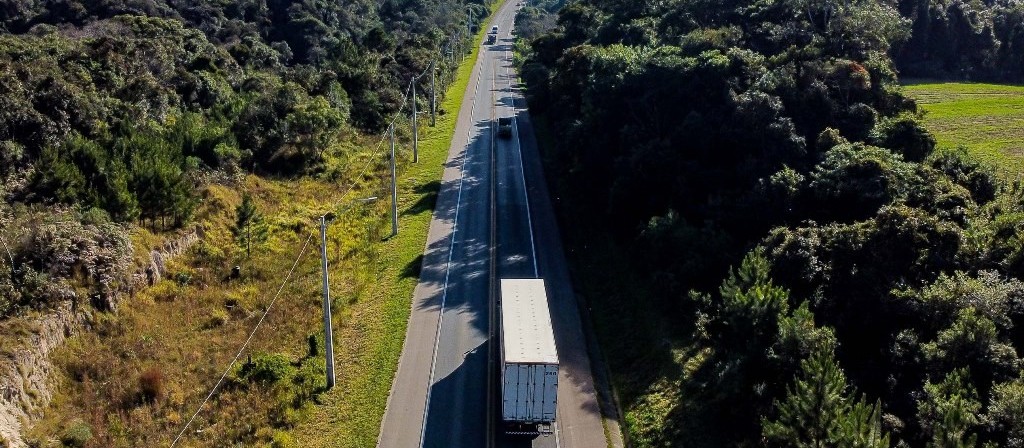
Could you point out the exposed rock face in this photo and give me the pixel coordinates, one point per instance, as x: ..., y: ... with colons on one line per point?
x: 158, y: 258
x: 24, y: 376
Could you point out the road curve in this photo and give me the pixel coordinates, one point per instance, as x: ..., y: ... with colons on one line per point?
x: 493, y: 218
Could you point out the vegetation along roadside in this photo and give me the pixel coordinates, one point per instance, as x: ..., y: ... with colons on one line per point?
x: 300, y: 96
x: 874, y: 296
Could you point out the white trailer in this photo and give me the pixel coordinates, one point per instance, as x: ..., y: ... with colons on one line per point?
x: 529, y: 360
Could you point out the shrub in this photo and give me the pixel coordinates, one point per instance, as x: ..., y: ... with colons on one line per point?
x: 282, y: 440
x: 310, y: 379
x: 77, y: 434
x: 268, y: 369
x: 151, y: 384
x: 209, y: 254
x: 218, y: 317
x: 165, y: 291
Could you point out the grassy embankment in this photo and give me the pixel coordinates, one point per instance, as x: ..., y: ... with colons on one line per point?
x: 988, y: 119
x: 352, y: 413
x: 139, y: 375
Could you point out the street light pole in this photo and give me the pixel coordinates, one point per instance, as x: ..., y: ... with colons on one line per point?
x: 328, y: 324
x: 394, y: 187
x: 328, y: 327
x: 415, y: 126
x: 433, y: 93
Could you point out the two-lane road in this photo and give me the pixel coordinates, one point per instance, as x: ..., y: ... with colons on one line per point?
x: 493, y: 219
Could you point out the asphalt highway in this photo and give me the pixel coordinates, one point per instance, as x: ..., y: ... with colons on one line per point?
x: 493, y: 219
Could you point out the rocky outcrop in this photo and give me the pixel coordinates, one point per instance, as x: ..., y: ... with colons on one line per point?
x: 158, y: 258
x: 25, y: 371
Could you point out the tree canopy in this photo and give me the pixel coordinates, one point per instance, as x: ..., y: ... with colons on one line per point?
x: 876, y: 273
x: 120, y: 104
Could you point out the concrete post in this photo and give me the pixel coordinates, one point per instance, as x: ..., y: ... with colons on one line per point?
x: 328, y: 330
x: 433, y: 93
x: 415, y: 126
x: 394, y: 187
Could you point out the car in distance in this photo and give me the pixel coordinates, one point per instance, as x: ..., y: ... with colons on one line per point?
x: 505, y: 127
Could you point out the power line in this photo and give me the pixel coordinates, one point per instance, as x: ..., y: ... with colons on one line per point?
x: 398, y: 114
x: 373, y: 155
x: 247, y: 341
x: 394, y: 120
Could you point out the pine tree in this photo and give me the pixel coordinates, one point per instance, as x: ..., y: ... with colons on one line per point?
x: 249, y: 227
x: 817, y: 411
x: 949, y: 411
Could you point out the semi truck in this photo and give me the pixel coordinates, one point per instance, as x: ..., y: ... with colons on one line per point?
x: 529, y: 358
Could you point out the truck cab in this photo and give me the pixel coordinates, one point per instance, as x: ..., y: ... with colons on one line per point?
x: 505, y: 127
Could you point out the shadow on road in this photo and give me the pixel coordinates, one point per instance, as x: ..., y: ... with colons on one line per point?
x: 462, y: 422
x: 458, y: 401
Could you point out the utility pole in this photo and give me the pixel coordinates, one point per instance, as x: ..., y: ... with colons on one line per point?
x: 433, y: 93
x: 415, y: 126
x: 469, y: 33
x: 394, y: 187
x: 328, y: 332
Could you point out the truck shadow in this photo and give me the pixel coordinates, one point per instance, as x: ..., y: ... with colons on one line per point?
x: 458, y: 407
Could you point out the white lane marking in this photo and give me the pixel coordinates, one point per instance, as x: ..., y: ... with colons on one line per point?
x: 529, y: 214
x: 448, y: 267
x: 522, y: 172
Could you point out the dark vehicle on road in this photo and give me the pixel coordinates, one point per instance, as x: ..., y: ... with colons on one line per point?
x: 505, y: 127
x: 491, y: 38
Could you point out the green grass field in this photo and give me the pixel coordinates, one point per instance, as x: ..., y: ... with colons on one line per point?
x: 987, y: 119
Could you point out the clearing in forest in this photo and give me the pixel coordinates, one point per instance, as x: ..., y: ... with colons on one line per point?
x: 987, y: 119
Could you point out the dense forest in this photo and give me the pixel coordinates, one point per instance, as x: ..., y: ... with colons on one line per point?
x: 875, y: 296
x: 974, y: 40
x: 113, y: 112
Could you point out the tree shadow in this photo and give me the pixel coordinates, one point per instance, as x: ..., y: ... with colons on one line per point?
x: 458, y: 417
x: 413, y: 269
x: 428, y: 201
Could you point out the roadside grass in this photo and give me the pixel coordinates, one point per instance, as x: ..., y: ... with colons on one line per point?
x: 188, y: 327
x: 351, y: 413
x: 987, y: 119
x: 172, y: 341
